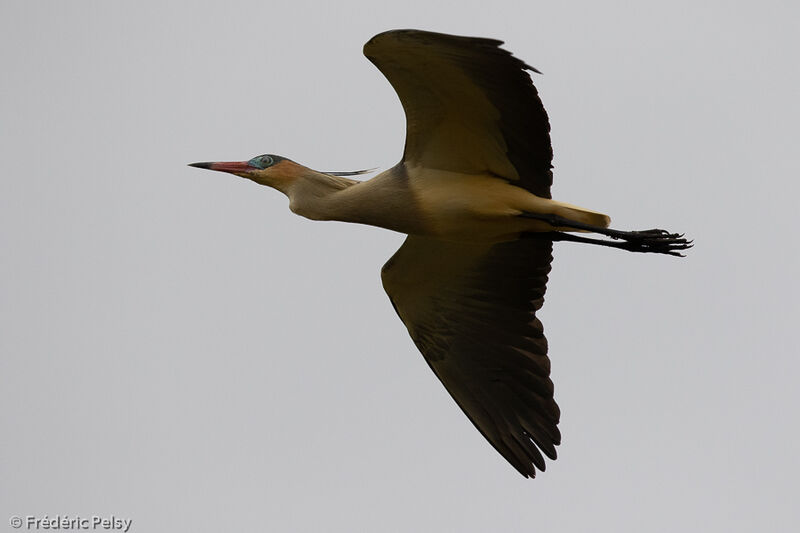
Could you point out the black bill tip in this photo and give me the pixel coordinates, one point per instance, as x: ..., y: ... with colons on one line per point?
x: 201, y: 165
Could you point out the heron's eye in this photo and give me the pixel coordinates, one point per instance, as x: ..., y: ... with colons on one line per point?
x: 262, y: 161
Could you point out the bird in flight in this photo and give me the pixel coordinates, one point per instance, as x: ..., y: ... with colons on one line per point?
x: 472, y: 193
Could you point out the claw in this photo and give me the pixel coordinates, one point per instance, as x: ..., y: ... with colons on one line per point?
x: 656, y: 241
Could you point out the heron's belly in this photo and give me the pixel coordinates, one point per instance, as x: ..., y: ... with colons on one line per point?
x: 482, y: 208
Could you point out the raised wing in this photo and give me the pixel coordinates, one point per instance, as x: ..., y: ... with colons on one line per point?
x: 470, y: 106
x: 470, y: 310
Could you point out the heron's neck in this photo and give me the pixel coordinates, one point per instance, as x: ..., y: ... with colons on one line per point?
x: 384, y: 201
x: 312, y: 195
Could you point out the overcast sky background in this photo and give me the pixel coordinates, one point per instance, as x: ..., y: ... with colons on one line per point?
x: 179, y: 349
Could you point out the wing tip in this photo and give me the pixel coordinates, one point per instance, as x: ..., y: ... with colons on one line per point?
x: 351, y: 172
x: 423, y: 35
x: 429, y: 36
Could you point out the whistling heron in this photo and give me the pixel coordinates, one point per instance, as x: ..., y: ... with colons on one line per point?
x: 472, y: 192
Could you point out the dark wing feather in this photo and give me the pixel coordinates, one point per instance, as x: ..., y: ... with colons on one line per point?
x: 470, y: 106
x: 470, y: 309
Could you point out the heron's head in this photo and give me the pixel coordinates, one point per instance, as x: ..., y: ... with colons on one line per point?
x: 271, y: 170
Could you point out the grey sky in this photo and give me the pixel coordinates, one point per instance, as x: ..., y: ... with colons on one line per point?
x: 179, y: 349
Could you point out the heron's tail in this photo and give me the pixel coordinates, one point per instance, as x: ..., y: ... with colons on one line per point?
x: 580, y: 214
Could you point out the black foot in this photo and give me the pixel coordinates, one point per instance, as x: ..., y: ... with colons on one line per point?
x: 652, y: 240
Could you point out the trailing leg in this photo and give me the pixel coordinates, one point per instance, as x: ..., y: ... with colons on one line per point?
x: 652, y: 240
